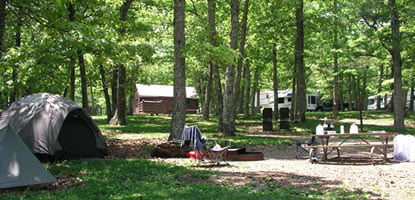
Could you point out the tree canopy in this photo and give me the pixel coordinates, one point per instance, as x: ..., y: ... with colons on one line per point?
x: 92, y: 51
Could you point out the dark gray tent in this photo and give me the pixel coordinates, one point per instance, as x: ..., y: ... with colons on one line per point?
x: 54, y: 127
x: 18, y: 166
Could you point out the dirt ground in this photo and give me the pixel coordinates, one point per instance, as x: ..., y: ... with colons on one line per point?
x: 354, y: 172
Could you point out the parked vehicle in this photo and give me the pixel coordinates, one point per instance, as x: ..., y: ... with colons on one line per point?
x: 328, y: 106
x: 385, y: 101
x: 284, y: 99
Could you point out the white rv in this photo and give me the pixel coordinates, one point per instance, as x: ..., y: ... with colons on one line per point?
x: 284, y: 99
x: 384, y: 102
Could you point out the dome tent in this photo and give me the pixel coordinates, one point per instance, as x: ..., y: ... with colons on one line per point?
x: 55, y: 127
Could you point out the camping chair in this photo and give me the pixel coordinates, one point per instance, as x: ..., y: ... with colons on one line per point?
x: 301, y: 149
x: 192, y: 136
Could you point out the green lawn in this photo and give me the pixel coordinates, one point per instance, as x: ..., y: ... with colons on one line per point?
x: 144, y: 179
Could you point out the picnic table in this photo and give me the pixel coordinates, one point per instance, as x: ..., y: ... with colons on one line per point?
x: 360, y: 141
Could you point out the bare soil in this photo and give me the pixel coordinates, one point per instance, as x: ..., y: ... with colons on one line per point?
x: 353, y: 172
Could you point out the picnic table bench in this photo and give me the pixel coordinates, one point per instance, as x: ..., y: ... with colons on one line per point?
x: 382, y: 145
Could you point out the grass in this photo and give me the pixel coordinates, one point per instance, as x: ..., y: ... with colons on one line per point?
x: 144, y: 179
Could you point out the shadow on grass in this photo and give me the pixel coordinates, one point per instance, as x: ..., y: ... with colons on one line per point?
x: 142, y: 179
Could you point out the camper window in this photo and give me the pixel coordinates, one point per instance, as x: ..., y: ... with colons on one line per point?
x: 280, y: 100
x: 289, y: 99
x: 312, y: 100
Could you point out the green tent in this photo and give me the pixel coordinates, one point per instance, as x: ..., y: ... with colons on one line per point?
x: 18, y: 166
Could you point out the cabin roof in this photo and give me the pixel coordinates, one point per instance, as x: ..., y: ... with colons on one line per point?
x: 145, y: 90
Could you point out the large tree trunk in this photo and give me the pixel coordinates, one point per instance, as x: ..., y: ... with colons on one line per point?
x: 229, y: 106
x: 335, y: 61
x: 106, y: 93
x: 398, y: 96
x: 242, y: 56
x: 214, y: 65
x: 179, y: 109
x: 275, y: 80
x: 120, y: 117
x: 84, y: 86
x: 300, y: 101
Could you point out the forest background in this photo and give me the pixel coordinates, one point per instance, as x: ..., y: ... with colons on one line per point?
x: 94, y: 52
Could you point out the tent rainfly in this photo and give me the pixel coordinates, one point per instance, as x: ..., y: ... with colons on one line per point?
x: 18, y: 166
x: 54, y: 127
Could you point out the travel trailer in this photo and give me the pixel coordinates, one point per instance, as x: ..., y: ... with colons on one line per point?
x: 385, y: 101
x: 284, y: 99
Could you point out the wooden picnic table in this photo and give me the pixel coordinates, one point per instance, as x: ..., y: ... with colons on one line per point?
x: 380, y: 144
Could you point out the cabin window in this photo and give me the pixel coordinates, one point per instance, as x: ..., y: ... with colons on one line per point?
x: 289, y: 99
x: 280, y: 100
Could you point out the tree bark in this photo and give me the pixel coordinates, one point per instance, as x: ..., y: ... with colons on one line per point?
x: 229, y: 106
x: 247, y: 88
x: 179, y: 109
x: 106, y: 93
x: 15, y: 70
x: 275, y: 80
x: 398, y: 96
x: 84, y: 85
x: 242, y: 56
x: 208, y: 92
x: 255, y: 92
x: 114, y: 90
x: 381, y: 74
x: 72, y: 75
x: 300, y: 101
x: 214, y: 65
x: 120, y: 116
x: 335, y: 61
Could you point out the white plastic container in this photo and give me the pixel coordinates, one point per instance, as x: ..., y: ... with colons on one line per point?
x: 319, y: 130
x: 354, y: 129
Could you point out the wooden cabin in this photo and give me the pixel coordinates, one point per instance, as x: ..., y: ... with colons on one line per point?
x: 158, y: 99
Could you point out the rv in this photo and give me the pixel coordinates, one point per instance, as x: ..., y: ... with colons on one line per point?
x: 284, y: 99
x: 384, y: 102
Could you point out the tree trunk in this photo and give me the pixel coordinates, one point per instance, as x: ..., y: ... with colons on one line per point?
x: 335, y: 61
x: 247, y: 88
x: 179, y: 109
x: 300, y: 101
x: 214, y: 65
x: 208, y: 92
x: 106, y: 93
x: 114, y: 90
x: 72, y: 75
x: 398, y: 96
x: 229, y: 106
x: 242, y: 56
x: 381, y: 71
x: 2, y: 22
x: 120, y: 116
x: 255, y: 92
x: 275, y: 80
x: 84, y: 86
x: 18, y: 42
